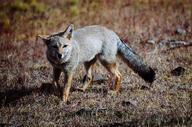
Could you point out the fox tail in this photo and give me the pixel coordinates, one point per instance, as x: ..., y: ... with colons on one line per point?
x: 135, y: 62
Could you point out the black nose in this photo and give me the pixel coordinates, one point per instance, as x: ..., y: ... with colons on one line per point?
x: 59, y: 56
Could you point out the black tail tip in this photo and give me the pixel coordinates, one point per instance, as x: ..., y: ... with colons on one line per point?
x: 149, y: 76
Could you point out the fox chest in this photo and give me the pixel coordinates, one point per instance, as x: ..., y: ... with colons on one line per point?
x: 65, y: 66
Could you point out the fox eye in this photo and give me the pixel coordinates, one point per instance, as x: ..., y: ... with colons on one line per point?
x: 64, y: 46
x: 54, y: 46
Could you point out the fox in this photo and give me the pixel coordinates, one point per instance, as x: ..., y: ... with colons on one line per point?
x: 69, y: 48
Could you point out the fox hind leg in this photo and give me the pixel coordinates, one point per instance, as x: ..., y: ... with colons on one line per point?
x: 119, y: 78
x: 89, y: 74
x: 111, y: 67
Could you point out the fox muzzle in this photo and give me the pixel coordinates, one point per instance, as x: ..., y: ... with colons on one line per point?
x: 59, y: 56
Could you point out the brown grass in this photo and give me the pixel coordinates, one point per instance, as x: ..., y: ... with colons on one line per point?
x: 26, y: 97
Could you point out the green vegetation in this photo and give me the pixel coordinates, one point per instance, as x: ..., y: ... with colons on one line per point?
x: 19, y: 5
x: 26, y: 95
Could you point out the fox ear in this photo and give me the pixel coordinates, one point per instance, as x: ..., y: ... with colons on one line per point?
x: 45, y: 38
x: 68, y: 33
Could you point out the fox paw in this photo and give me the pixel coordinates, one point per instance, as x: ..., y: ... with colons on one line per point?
x: 64, y: 100
x: 81, y: 89
x: 57, y: 93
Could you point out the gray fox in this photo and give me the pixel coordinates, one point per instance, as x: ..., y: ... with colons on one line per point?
x: 66, y: 49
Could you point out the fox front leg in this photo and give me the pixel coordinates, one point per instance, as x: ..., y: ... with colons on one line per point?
x: 68, y: 82
x: 89, y: 73
x: 56, y: 86
x: 87, y: 79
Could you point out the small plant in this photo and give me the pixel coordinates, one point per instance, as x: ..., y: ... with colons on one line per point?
x: 39, y: 7
x: 74, y: 11
x: 71, y: 2
x: 20, y: 5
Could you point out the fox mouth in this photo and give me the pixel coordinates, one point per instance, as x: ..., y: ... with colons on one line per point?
x: 59, y: 58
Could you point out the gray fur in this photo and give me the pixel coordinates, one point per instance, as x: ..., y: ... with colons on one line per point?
x: 93, y: 42
x: 135, y: 62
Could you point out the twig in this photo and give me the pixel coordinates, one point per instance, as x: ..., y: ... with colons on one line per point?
x: 179, y: 46
x: 173, y: 42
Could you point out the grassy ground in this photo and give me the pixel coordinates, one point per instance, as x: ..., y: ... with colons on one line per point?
x: 26, y: 97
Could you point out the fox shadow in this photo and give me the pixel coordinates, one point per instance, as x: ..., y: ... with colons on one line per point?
x: 13, y: 95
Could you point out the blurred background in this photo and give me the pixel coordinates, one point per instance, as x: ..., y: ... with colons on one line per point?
x: 142, y: 24
x: 23, y: 19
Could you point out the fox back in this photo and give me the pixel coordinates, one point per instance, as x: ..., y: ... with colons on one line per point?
x: 65, y: 50
x: 96, y: 40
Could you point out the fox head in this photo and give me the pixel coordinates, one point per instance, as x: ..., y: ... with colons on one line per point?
x: 59, y: 45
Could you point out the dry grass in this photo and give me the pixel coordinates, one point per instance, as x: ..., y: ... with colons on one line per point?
x: 26, y: 97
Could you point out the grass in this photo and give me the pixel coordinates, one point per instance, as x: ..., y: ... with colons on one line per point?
x: 26, y: 96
